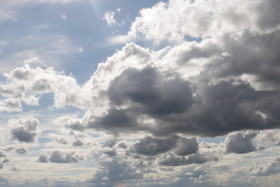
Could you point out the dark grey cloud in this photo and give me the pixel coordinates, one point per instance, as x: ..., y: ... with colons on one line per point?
x: 240, y: 142
x: 250, y: 53
x: 147, y: 92
x: 59, y: 157
x: 186, y: 146
x: 110, y: 143
x: 109, y: 152
x: 122, y: 145
x: 155, y: 93
x: 150, y: 146
x: 269, y: 16
x: 25, y: 130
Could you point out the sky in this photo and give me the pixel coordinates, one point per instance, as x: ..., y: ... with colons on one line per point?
x: 147, y: 93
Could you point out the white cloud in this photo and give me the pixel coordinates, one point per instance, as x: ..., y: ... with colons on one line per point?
x: 109, y: 17
x: 177, y: 19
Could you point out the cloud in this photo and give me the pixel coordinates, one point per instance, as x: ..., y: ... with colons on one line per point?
x: 143, y: 97
x: 77, y: 142
x: 240, y: 142
x: 151, y: 146
x: 59, y: 157
x: 21, y: 151
x: 200, y: 19
x: 109, y: 17
x: 115, y: 172
x: 24, y: 129
x: 171, y: 160
x: 28, y: 83
x: 269, y: 137
x: 10, y: 105
x: 43, y: 158
x: 186, y: 146
x: 266, y: 169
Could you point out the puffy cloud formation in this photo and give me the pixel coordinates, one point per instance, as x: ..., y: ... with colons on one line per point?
x: 59, y: 157
x: 203, y: 19
x: 171, y: 160
x: 148, y: 98
x: 219, y: 76
x: 28, y: 83
x: 43, y: 158
x: 150, y: 146
x: 24, y: 129
x: 266, y: 169
x: 240, y: 142
x: 116, y: 171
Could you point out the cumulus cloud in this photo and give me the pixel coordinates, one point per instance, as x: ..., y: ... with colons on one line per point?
x: 240, y: 142
x: 28, y: 83
x: 186, y: 146
x: 152, y: 146
x: 269, y: 168
x: 219, y: 76
x: 43, y: 158
x: 171, y: 160
x: 10, y: 105
x: 115, y: 172
x: 269, y: 137
x: 59, y: 157
x: 146, y: 98
x: 24, y: 129
x: 202, y: 19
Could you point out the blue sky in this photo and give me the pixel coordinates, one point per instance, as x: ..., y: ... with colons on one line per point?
x: 139, y: 93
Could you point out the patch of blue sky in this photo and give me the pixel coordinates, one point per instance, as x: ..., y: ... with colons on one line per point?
x: 218, y: 139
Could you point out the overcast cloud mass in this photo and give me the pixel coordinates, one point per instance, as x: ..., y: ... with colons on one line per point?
x: 101, y: 93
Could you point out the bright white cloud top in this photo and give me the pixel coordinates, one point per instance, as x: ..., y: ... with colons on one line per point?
x: 142, y: 93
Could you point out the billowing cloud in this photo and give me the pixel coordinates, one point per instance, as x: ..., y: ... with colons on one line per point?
x: 186, y: 146
x: 266, y: 169
x: 204, y: 84
x: 171, y: 160
x: 240, y: 142
x: 43, y: 158
x: 201, y: 19
x: 59, y: 157
x: 151, y: 146
x: 24, y: 129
